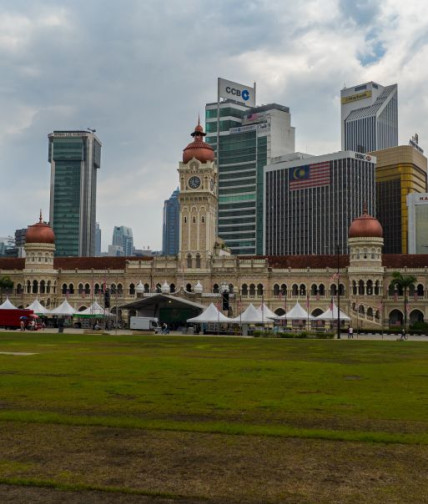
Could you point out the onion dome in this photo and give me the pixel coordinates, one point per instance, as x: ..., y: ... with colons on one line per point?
x: 40, y: 233
x: 140, y: 288
x: 198, y: 149
x: 165, y: 288
x: 198, y: 288
x: 365, y: 226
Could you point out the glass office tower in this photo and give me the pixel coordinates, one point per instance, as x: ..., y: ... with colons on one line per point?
x: 75, y: 157
x: 245, y: 139
x: 171, y: 225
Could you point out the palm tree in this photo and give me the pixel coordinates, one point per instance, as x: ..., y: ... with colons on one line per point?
x: 403, y: 282
x: 6, y: 284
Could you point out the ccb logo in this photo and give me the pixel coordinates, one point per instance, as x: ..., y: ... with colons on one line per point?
x: 245, y: 95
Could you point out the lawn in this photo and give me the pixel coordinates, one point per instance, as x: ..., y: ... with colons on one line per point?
x: 207, y: 419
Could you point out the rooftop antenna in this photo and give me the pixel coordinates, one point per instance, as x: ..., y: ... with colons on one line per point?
x: 91, y: 130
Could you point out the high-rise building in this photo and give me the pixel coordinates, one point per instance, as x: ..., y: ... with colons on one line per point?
x: 400, y: 171
x: 369, y: 117
x: 97, y: 239
x: 417, y: 205
x: 171, y: 225
x: 123, y: 237
x: 75, y: 157
x: 311, y: 202
x: 245, y: 139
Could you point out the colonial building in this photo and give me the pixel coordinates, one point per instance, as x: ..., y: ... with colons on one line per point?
x: 204, y: 268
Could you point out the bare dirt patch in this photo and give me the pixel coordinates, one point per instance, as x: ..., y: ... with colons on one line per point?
x: 206, y: 467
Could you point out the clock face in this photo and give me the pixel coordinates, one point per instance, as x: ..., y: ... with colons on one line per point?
x: 194, y: 182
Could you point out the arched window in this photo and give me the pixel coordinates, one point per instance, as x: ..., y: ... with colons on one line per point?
x: 19, y: 289
x: 113, y: 288
x: 198, y: 260
x: 87, y: 289
x: 202, y: 219
x: 120, y: 289
x: 333, y: 290
x: 391, y: 290
x: 252, y: 290
x: 377, y: 288
x: 314, y: 290
x: 189, y: 287
x: 146, y: 287
x: 132, y: 289
x: 370, y: 313
x: 80, y: 288
x: 97, y: 288
x: 420, y: 290
x: 48, y: 287
x: 244, y: 289
x: 284, y: 290
x: 216, y: 289
x: 361, y: 288
x: 341, y: 290
x: 412, y: 290
x: 377, y: 315
x: 260, y: 290
x: 361, y: 310
x: 416, y: 316
x: 64, y: 289
x: 42, y: 286
x: 302, y: 290
x: 369, y: 287
x: 295, y: 290
x: 276, y: 290
x: 35, y: 286
x: 172, y: 287
x: 395, y: 318
x: 321, y: 290
x: 159, y: 288
x: 354, y: 287
x: 189, y: 261
x: 71, y: 289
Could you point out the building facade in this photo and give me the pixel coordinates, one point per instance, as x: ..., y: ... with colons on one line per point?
x: 417, y: 208
x: 203, y: 267
x: 369, y: 117
x: 171, y: 224
x: 400, y: 171
x: 245, y: 139
x: 311, y: 202
x: 124, y: 239
x: 75, y: 157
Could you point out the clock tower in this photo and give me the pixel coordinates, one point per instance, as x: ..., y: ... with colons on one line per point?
x: 198, y: 201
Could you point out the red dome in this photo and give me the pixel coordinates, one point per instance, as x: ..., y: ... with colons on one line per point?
x: 40, y: 233
x: 365, y: 226
x: 198, y: 149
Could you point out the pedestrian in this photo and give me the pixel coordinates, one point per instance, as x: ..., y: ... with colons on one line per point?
x: 350, y: 332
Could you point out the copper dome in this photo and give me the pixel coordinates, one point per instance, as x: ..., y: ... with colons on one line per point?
x: 198, y: 149
x: 365, y: 226
x: 40, y: 233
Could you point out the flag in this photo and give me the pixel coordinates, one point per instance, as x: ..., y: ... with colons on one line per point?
x: 314, y: 175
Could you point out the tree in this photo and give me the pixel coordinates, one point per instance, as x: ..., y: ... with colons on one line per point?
x: 6, y: 284
x: 403, y: 282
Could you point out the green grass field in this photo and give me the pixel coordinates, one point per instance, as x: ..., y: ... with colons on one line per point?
x: 207, y: 419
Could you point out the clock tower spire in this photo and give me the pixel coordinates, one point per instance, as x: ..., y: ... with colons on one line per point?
x: 198, y: 201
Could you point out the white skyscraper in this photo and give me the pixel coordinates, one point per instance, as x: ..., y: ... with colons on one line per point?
x: 369, y: 117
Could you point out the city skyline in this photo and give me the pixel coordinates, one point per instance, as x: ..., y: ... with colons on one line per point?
x: 290, y: 51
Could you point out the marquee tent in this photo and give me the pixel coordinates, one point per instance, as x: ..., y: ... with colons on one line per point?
x: 211, y: 314
x: 7, y: 305
x: 38, y: 308
x: 267, y: 312
x: 94, y: 311
x: 63, y: 309
x: 251, y: 315
x: 332, y: 315
x: 296, y: 313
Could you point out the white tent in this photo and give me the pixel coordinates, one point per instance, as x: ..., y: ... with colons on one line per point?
x: 38, y: 308
x: 211, y: 314
x: 64, y: 308
x: 267, y: 313
x: 7, y: 305
x: 296, y: 313
x: 95, y: 310
x: 251, y: 315
x: 332, y: 315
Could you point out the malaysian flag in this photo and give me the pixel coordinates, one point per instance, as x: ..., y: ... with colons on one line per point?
x: 314, y: 175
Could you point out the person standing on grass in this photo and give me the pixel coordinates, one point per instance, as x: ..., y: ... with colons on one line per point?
x: 350, y: 332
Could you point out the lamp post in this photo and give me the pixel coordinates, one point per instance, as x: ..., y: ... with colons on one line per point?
x: 338, y: 292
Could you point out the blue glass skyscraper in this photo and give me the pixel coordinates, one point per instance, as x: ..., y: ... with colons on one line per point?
x: 171, y: 225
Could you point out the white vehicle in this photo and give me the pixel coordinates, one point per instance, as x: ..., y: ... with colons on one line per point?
x: 144, y: 323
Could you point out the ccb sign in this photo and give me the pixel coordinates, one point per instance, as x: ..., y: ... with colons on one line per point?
x: 238, y: 92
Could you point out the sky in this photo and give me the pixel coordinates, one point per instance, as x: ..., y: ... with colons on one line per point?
x: 140, y: 72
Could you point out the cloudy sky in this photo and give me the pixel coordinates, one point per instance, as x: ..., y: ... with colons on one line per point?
x: 140, y: 71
